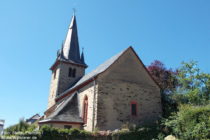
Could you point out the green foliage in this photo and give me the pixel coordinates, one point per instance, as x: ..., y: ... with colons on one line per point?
x: 188, y: 88
x: 51, y: 133
x: 193, y: 85
x: 22, y: 126
x: 167, y: 80
x: 190, y: 123
x: 140, y: 133
x: 169, y: 105
x: 32, y: 127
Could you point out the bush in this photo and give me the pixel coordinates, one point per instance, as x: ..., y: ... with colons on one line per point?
x: 190, y: 123
x: 51, y: 133
x: 140, y: 133
x: 22, y: 126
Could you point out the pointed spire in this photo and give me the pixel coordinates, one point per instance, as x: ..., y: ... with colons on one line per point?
x: 60, y: 52
x: 71, y: 44
x: 82, y: 57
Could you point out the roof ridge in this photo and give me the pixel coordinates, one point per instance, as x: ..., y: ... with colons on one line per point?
x: 34, y: 116
x: 59, y: 108
x: 98, y: 70
x: 66, y: 111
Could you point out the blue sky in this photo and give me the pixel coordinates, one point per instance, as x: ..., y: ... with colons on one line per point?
x: 31, y: 32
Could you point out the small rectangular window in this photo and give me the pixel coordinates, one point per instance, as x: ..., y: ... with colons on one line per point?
x: 133, y: 108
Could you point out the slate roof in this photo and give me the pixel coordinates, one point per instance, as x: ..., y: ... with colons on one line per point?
x: 83, y: 58
x: 36, y: 116
x: 70, y: 48
x: 101, y: 68
x: 66, y: 111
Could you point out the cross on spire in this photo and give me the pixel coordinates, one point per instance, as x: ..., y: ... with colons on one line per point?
x: 74, y: 11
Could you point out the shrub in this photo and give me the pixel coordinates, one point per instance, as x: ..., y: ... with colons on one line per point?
x: 139, y: 133
x: 190, y: 123
x: 22, y: 126
x: 51, y: 133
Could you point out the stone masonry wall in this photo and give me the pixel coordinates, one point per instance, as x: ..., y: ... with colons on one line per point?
x: 114, y: 106
x: 88, y: 91
x: 62, y: 82
x: 124, y: 82
x: 53, y: 87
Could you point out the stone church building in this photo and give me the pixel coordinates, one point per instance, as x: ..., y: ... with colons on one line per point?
x: 117, y: 92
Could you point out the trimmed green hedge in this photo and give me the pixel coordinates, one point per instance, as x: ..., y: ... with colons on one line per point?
x: 50, y: 133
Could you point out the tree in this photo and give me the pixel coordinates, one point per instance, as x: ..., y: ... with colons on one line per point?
x: 193, y: 85
x: 22, y: 126
x: 166, y: 78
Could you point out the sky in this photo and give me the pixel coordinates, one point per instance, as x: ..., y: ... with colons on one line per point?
x: 31, y: 32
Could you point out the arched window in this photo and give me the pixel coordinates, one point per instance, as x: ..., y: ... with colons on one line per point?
x: 85, y: 109
x: 73, y: 72
x: 70, y: 72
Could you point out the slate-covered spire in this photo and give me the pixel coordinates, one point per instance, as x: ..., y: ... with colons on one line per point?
x: 71, y: 44
x: 82, y: 57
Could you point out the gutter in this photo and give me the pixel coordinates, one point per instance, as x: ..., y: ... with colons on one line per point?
x: 59, y: 122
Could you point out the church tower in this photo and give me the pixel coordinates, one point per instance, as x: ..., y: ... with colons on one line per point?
x: 69, y: 66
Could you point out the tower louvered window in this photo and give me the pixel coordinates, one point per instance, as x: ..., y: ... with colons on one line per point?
x: 70, y: 72
x: 73, y: 72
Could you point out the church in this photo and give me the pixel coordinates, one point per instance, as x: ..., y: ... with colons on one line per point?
x: 117, y: 92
